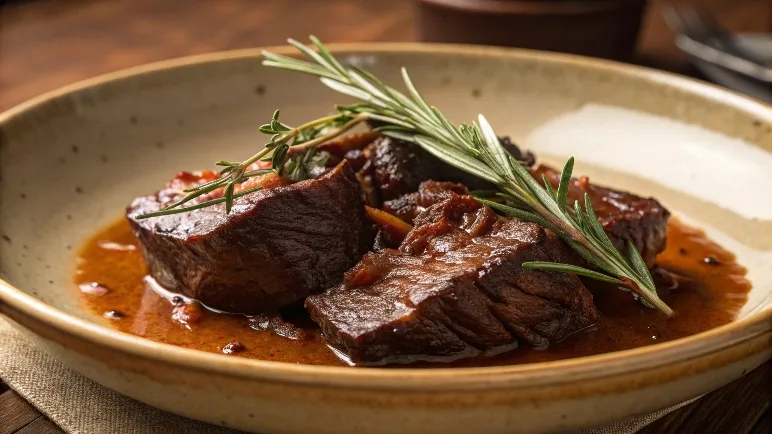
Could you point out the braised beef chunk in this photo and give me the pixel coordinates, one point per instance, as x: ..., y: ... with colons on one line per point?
x: 408, y: 206
x: 525, y: 157
x: 349, y: 148
x: 400, y: 167
x: 455, y: 289
x: 624, y: 216
x: 277, y: 246
x: 416, y: 309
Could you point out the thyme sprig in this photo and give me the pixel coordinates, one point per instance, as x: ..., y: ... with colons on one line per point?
x: 473, y: 148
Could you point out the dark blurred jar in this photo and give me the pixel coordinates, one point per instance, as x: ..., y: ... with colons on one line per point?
x: 600, y: 28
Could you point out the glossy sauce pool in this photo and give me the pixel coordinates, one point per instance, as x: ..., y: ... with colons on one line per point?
x: 711, y: 291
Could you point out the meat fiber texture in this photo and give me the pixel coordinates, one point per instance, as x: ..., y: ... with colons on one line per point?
x: 395, y: 168
x: 403, y: 179
x: 455, y: 289
x: 276, y: 247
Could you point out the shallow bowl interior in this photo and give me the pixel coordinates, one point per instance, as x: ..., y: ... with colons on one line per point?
x: 70, y: 161
x: 71, y: 164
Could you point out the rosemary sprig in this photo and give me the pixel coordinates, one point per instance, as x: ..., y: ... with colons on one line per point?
x: 476, y: 149
x: 473, y: 148
x: 283, y: 161
x: 209, y: 203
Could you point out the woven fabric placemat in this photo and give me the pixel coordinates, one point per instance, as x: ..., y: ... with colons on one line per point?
x: 79, y: 405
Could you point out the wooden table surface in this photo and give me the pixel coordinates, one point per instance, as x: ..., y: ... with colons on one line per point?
x: 45, y: 44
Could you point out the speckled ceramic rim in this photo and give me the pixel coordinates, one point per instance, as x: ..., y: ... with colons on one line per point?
x: 538, y: 374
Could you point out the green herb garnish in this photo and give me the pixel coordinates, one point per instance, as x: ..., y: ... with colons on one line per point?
x: 473, y: 148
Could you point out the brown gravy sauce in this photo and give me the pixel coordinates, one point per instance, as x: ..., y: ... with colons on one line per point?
x: 110, y: 271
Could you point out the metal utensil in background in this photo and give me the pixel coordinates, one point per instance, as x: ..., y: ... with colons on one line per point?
x: 700, y: 35
x: 706, y: 27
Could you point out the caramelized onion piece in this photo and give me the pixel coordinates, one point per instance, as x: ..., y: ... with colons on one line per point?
x: 395, y: 228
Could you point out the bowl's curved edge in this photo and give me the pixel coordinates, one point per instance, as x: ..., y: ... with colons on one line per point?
x: 25, y: 309
x: 706, y: 89
x: 51, y: 323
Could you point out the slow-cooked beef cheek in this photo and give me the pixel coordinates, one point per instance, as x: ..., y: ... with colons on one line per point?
x: 395, y: 170
x: 455, y: 289
x: 408, y: 206
x: 624, y: 216
x: 276, y: 247
x: 399, y: 168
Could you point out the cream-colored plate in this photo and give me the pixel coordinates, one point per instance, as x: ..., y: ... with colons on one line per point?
x: 72, y: 159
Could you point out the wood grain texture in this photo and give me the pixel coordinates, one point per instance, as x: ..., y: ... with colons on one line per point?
x: 41, y: 425
x: 45, y: 44
x: 734, y: 408
x: 764, y: 425
x: 15, y: 413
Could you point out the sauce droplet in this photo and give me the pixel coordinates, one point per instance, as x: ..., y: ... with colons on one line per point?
x: 682, y: 251
x: 93, y: 288
x: 233, y: 347
x: 113, y: 314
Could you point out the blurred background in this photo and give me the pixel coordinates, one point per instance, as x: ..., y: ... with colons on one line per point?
x: 45, y: 44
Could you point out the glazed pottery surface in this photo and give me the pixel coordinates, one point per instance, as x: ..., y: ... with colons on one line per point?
x: 71, y: 160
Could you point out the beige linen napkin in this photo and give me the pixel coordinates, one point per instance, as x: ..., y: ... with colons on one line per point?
x: 79, y: 405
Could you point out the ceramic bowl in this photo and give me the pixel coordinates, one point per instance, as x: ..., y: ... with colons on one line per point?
x: 73, y: 158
